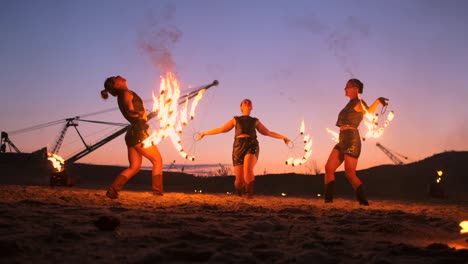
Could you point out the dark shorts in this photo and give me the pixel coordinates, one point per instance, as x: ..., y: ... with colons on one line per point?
x: 135, y: 135
x: 349, y: 143
x: 242, y: 147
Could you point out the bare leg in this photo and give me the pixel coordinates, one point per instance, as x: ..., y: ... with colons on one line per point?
x: 332, y: 164
x: 134, y: 159
x: 350, y: 164
x: 249, y: 163
x: 350, y: 169
x: 154, y: 156
x: 239, y: 182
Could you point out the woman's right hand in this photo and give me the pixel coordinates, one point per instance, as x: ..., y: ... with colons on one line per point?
x: 383, y: 101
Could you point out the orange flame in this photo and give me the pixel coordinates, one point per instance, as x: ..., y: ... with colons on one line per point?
x: 335, y: 135
x: 464, y: 226
x: 57, y: 161
x: 195, y: 103
x: 307, y: 149
x: 371, y: 121
x: 171, y: 119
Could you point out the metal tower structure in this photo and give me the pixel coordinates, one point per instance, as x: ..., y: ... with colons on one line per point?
x: 391, y: 155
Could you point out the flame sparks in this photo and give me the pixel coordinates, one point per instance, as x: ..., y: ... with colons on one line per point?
x: 464, y: 226
x: 371, y: 121
x: 307, y: 149
x: 171, y: 119
x: 57, y: 161
x: 335, y: 135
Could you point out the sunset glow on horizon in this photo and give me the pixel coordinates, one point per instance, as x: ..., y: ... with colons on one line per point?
x: 292, y: 59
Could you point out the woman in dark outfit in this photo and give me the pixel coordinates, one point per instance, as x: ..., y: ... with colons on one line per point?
x: 245, y: 148
x: 132, y: 108
x: 348, y: 148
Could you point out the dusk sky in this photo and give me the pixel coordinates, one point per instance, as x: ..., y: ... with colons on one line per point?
x: 291, y: 58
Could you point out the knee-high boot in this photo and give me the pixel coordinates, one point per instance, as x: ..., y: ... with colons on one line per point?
x: 329, y: 190
x: 158, y: 184
x: 116, y: 186
x: 249, y: 189
x: 360, y: 196
x: 239, y: 188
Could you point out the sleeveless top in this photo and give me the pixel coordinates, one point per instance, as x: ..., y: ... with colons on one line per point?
x: 137, y: 106
x: 350, y: 117
x: 246, y: 125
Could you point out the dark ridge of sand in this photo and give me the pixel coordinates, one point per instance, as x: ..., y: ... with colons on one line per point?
x: 407, y: 182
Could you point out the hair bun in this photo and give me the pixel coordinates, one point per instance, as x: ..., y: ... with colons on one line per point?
x: 104, y: 94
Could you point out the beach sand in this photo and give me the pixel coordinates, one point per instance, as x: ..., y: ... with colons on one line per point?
x: 41, y: 224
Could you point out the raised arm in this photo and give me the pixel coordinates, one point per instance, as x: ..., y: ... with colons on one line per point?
x: 362, y: 106
x: 222, y: 129
x: 264, y: 131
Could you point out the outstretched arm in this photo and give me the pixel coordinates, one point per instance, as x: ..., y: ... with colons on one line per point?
x: 222, y: 129
x: 264, y: 131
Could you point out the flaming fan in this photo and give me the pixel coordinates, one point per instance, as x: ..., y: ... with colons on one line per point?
x: 464, y: 227
x: 57, y: 161
x: 307, y: 148
x: 371, y: 121
x: 335, y: 135
x: 172, y: 118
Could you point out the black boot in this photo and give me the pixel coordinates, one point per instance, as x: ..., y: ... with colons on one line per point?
x: 360, y: 196
x: 116, y: 186
x: 249, y: 189
x: 158, y: 185
x: 239, y: 188
x: 329, y: 190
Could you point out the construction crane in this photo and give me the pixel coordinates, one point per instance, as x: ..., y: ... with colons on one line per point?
x: 6, y: 141
x: 393, y: 156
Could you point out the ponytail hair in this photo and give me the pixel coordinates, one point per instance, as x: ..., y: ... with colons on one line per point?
x: 108, y: 85
x: 104, y: 94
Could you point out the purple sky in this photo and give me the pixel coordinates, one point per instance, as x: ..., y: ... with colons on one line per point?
x: 291, y: 58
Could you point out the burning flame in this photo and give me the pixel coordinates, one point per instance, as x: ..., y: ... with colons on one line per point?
x: 171, y: 119
x: 464, y: 226
x: 335, y: 135
x: 307, y: 149
x: 57, y: 161
x: 371, y: 121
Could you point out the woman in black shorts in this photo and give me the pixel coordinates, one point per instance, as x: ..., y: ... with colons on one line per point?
x: 132, y: 108
x: 245, y: 148
x: 348, y: 148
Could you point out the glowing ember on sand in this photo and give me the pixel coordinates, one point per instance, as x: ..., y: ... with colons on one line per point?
x: 307, y: 149
x: 57, y: 161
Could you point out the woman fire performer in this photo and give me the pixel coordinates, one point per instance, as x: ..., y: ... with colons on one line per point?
x: 348, y: 148
x: 132, y: 108
x: 245, y: 148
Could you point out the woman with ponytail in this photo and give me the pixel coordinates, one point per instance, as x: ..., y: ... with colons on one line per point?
x: 132, y: 108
